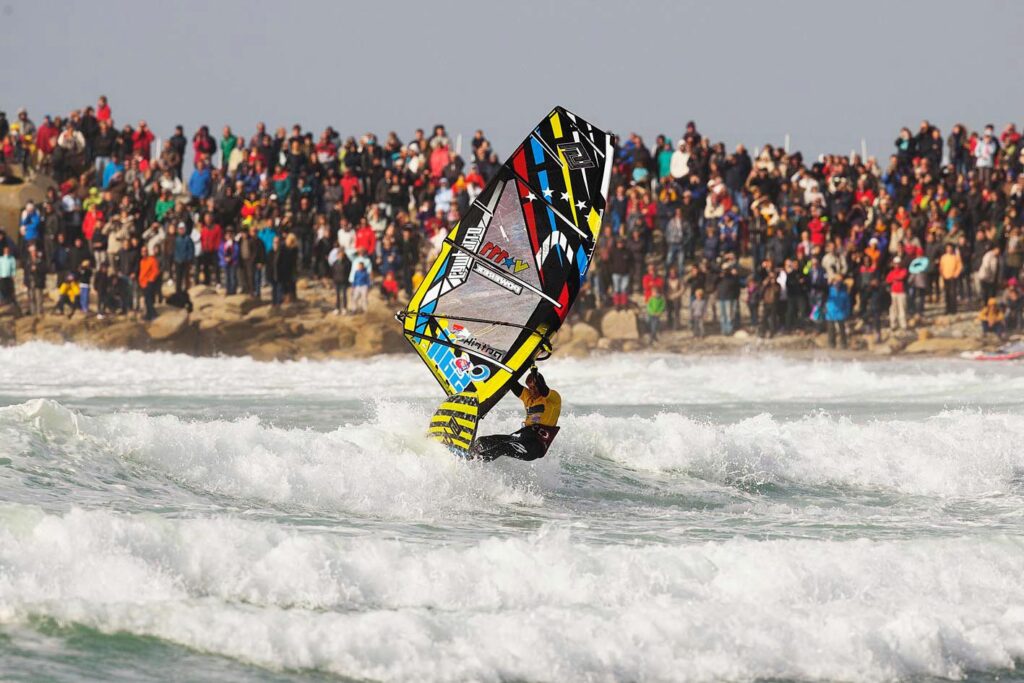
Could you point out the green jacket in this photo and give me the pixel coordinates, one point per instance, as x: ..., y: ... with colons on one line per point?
x: 656, y: 305
x: 227, y: 146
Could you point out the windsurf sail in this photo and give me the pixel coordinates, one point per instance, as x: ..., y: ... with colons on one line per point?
x: 508, y: 273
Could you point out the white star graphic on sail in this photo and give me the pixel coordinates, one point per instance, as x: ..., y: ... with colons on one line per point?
x: 580, y: 204
x: 548, y: 192
x: 565, y: 196
x: 530, y: 197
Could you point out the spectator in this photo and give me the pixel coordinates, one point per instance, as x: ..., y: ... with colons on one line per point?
x: 184, y: 256
x: 149, y: 281
x: 360, y: 286
x: 950, y: 269
x: 8, y: 271
x: 68, y: 295
x: 992, y: 319
x: 698, y: 311
x: 655, y: 312
x: 837, y: 311
x: 897, y: 281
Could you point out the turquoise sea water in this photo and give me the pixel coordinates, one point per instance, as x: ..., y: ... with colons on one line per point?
x: 736, y: 518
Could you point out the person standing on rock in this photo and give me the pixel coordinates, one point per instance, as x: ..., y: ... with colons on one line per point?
x: 184, y: 256
x: 341, y: 272
x: 950, y: 269
x: 35, y: 281
x: 621, y: 267
x: 674, y: 288
x: 837, y: 311
x: 149, y: 281
x: 360, y: 285
x: 897, y: 281
x: 211, y: 238
x: 8, y: 267
x: 655, y: 312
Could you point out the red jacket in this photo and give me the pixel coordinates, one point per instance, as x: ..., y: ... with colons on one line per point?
x: 141, y: 141
x: 46, y: 138
x: 93, y: 219
x: 897, y: 279
x: 349, y: 187
x: 818, y: 229
x: 210, y: 237
x: 650, y: 282
x: 366, y: 239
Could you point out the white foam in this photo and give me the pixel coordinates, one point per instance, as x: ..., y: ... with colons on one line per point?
x: 542, y: 606
x: 954, y: 453
x: 40, y: 369
x: 384, y: 468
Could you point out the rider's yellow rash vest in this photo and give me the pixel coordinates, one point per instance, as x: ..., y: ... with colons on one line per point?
x: 541, y: 410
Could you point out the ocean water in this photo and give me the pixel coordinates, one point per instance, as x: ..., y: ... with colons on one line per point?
x: 698, y: 519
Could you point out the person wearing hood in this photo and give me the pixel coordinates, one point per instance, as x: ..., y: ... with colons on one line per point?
x: 837, y: 311
x: 992, y: 318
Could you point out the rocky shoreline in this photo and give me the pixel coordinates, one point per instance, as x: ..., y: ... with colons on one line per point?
x: 240, y: 325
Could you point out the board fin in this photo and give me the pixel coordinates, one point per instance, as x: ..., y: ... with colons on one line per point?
x: 454, y: 422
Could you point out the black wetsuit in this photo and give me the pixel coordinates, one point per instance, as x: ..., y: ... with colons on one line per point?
x: 532, y: 441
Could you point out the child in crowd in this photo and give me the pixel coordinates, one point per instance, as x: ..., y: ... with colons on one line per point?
x: 655, y: 311
x: 360, y: 288
x: 698, y: 308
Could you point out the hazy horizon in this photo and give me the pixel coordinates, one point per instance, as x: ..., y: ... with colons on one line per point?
x: 828, y: 75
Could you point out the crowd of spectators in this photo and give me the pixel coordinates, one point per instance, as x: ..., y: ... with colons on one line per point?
x: 691, y: 229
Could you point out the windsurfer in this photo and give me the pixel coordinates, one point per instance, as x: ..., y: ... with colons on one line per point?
x: 540, y: 426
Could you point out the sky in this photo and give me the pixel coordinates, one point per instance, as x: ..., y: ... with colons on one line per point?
x: 828, y: 74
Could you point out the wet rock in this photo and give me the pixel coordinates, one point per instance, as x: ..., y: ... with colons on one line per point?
x: 620, y: 325
x: 943, y: 345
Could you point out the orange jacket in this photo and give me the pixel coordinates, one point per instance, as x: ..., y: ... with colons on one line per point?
x: 149, y: 271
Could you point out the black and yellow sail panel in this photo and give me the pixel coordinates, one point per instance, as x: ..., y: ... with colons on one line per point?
x: 454, y: 423
x: 508, y: 273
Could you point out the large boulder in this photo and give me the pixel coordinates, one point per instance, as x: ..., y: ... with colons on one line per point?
x: 241, y: 304
x: 577, y: 348
x: 168, y: 325
x: 582, y: 332
x: 620, y: 325
x: 943, y: 345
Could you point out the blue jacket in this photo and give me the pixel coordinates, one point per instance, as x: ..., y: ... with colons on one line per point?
x: 267, y: 236
x: 837, y: 308
x: 31, y: 225
x: 184, y: 249
x: 109, y: 171
x: 360, y: 278
x: 199, y: 183
x: 356, y: 278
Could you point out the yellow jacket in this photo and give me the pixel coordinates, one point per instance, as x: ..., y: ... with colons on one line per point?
x: 69, y: 289
x: 541, y: 410
x: 950, y: 266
